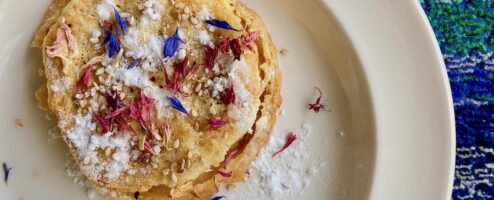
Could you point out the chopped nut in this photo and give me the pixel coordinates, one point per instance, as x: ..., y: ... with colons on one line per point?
x: 83, y: 103
x: 122, y: 95
x: 194, y: 113
x: 187, y: 164
x: 18, y: 123
x: 176, y: 144
x: 174, y: 178
x: 198, y: 87
x: 79, y: 96
x: 180, y: 5
x: 182, y: 165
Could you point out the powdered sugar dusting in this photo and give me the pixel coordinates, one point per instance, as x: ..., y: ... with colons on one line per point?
x: 285, y: 176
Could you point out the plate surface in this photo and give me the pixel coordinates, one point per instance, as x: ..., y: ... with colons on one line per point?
x: 375, y: 60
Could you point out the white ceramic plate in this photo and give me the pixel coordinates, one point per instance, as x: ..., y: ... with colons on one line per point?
x: 376, y: 60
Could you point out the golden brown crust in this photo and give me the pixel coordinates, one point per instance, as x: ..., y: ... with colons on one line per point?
x: 269, y: 99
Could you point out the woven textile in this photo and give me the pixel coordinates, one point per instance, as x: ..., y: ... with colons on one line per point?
x: 465, y: 31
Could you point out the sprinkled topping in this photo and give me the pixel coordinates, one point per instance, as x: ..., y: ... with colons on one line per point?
x: 210, y: 55
x: 220, y: 24
x: 239, y: 147
x: 137, y: 195
x: 318, y: 105
x: 221, y: 172
x: 171, y: 44
x: 229, y: 96
x: 113, y: 45
x: 217, y: 198
x: 83, y: 82
x: 175, y: 103
x: 6, y: 173
x: 121, y: 22
x: 216, y: 123
x: 289, y: 140
x: 18, y: 123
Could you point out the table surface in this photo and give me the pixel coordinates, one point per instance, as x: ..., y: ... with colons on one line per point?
x: 465, y: 31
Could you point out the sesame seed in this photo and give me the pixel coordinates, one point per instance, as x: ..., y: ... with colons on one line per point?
x: 198, y: 87
x: 189, y: 154
x: 79, y: 96
x: 176, y: 144
x: 194, y: 113
x: 18, y: 123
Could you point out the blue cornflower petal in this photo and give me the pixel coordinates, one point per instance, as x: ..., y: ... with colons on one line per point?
x: 220, y: 24
x: 120, y: 21
x: 107, y: 37
x: 171, y: 44
x: 217, y: 197
x: 113, y: 46
x: 175, y: 103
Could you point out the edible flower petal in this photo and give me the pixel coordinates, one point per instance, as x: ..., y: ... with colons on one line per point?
x: 317, y: 106
x: 220, y: 24
x: 210, y: 56
x: 175, y: 103
x: 137, y: 195
x: 134, y: 63
x: 248, y: 39
x: 105, y: 125
x: 216, y: 123
x: 171, y: 44
x: 64, y: 45
x: 121, y: 22
x: 229, y: 96
x: 221, y: 172
x: 239, y: 147
x: 217, y: 198
x: 236, y: 48
x: 83, y: 82
x: 289, y: 140
x: 113, y: 46
x: 6, y: 173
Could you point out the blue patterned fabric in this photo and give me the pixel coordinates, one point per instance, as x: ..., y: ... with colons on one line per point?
x: 465, y: 31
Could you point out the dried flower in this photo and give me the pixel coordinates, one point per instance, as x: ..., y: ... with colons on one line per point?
x: 121, y: 22
x: 237, y: 149
x: 229, y: 96
x: 171, y: 44
x: 210, y: 55
x: 137, y: 195
x: 236, y: 48
x: 134, y: 63
x: 221, y: 172
x: 6, y: 173
x: 217, y: 198
x: 116, y: 113
x: 64, y: 40
x: 102, y: 121
x: 317, y: 106
x: 83, y: 82
x: 289, y: 140
x: 216, y: 123
x: 113, y: 45
x: 248, y: 39
x: 224, y: 45
x: 175, y: 103
x: 220, y: 24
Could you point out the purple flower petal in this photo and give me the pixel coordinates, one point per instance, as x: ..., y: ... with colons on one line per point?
x: 175, y: 103
x: 6, y: 173
x: 171, y: 44
x: 220, y: 24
